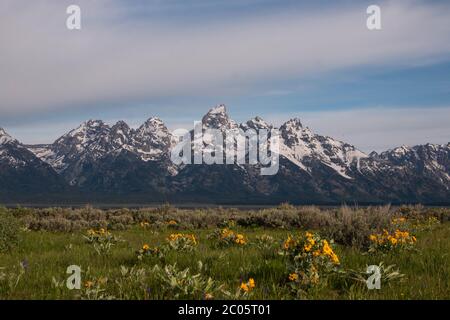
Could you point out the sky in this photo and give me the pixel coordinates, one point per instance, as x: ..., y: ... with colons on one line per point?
x: 175, y: 59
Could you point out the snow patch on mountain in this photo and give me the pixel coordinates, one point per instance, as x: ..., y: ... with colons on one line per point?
x: 303, y: 145
x: 5, y: 137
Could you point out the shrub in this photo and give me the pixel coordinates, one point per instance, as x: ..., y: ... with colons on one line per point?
x: 9, y: 231
x: 353, y: 226
x: 227, y: 237
x: 182, y: 242
x: 147, y: 251
x: 182, y: 284
x: 102, y: 240
x: 309, y: 258
x: 387, y: 241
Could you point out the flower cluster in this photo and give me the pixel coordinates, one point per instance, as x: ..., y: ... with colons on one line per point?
x: 227, y: 237
x: 309, y: 257
x: 102, y: 240
x: 182, y: 242
x: 95, y: 289
x: 147, y: 251
x: 387, y: 241
x: 248, y: 286
x: 310, y: 244
x: 102, y: 232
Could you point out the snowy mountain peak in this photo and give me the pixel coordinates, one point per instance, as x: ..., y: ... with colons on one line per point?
x: 218, y: 118
x: 87, y: 128
x: 293, y: 132
x: 153, y: 122
x: 4, y: 137
x: 120, y: 124
x: 120, y: 134
x: 220, y: 108
x: 152, y: 139
x: 93, y: 123
x: 256, y: 123
x: 153, y: 126
x: 292, y: 124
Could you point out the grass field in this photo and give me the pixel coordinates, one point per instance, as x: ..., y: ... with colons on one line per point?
x: 35, y: 268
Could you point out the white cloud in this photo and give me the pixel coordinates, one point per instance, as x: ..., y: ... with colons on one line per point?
x: 44, y: 66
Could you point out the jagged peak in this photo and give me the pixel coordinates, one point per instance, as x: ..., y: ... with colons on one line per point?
x: 3, y: 132
x: 218, y: 118
x: 219, y: 111
x: 93, y: 123
x: 153, y: 120
x: 402, y: 149
x: 152, y: 124
x: 220, y: 108
x: 256, y: 123
x: 89, y: 124
x: 293, y: 128
x: 5, y: 137
x: 294, y: 122
x: 120, y: 125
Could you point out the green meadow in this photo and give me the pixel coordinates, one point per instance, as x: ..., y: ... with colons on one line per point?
x: 169, y: 253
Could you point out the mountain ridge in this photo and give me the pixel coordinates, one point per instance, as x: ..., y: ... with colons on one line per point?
x: 115, y: 160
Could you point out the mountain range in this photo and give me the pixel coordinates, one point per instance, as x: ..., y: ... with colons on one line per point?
x: 98, y: 163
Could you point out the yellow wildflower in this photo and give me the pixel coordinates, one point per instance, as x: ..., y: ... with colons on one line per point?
x: 293, y: 276
x: 392, y: 240
x: 288, y: 243
x: 334, y: 258
x: 244, y: 287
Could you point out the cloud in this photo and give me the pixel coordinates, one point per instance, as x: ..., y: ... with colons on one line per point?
x: 116, y: 58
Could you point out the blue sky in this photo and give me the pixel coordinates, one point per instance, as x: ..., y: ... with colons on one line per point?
x: 277, y: 59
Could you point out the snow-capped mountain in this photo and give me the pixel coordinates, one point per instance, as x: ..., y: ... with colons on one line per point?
x: 302, y: 146
x: 21, y: 172
x: 4, y: 137
x: 217, y: 118
x: 121, y: 164
x: 94, y: 139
